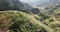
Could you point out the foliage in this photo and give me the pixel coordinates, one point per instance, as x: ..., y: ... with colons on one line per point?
x: 19, y: 23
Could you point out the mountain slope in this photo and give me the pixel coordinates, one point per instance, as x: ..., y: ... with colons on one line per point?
x: 38, y: 23
x: 14, y: 5
x: 18, y: 21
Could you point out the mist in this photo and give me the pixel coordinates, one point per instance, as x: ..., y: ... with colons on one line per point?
x: 33, y: 2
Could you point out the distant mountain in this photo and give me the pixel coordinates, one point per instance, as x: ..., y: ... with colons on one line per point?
x: 11, y: 5
x: 47, y: 3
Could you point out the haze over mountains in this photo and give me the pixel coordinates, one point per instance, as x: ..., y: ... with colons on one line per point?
x: 42, y: 3
x: 49, y: 3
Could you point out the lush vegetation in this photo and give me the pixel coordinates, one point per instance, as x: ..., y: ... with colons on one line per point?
x: 27, y: 18
x: 16, y: 22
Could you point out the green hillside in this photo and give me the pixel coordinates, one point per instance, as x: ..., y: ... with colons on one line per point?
x: 52, y: 20
x: 17, y: 22
x: 16, y: 16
